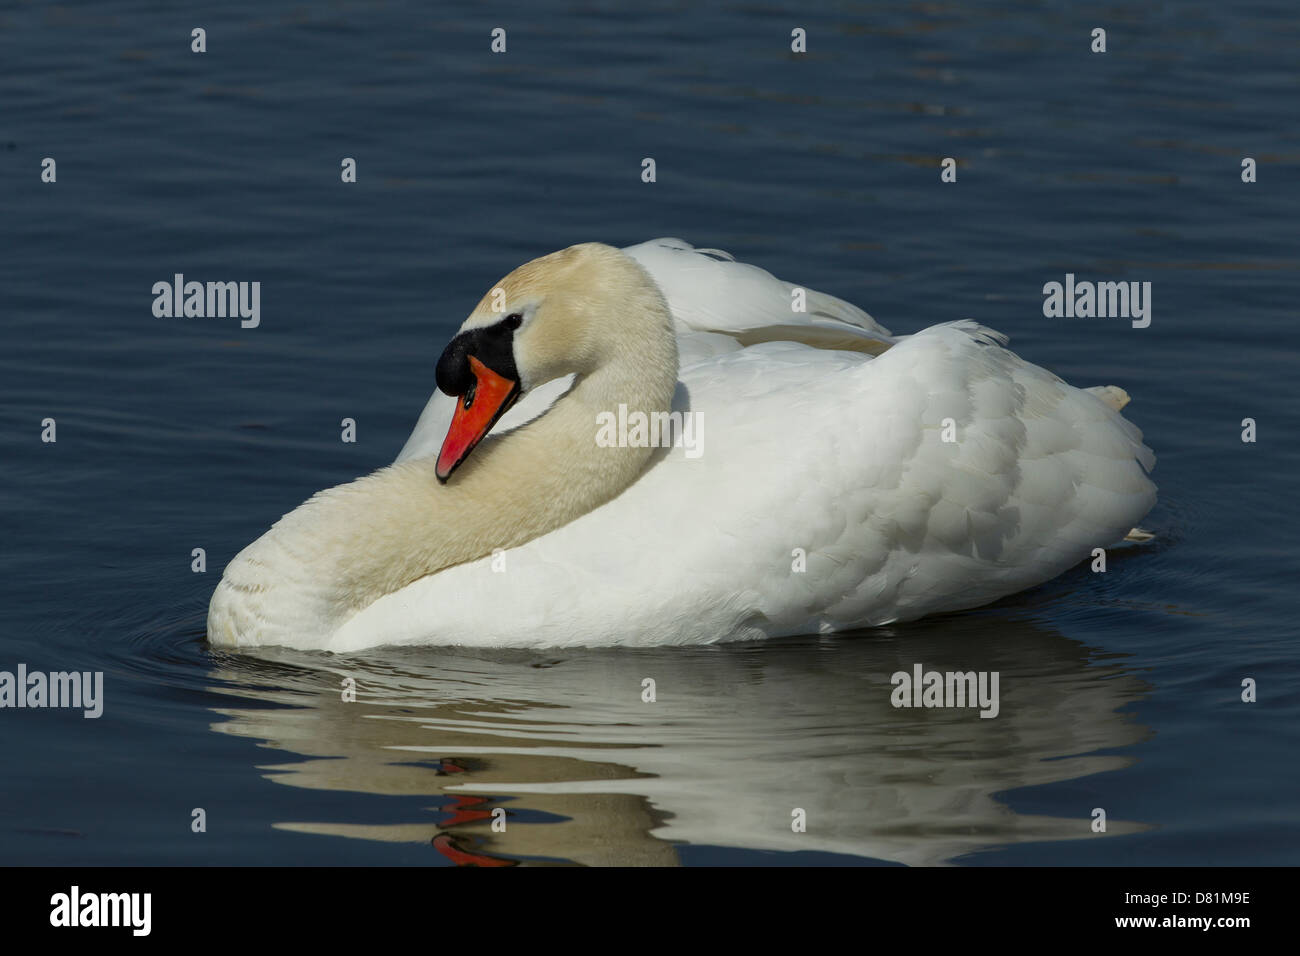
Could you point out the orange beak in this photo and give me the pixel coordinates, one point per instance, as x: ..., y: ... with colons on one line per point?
x: 477, y: 410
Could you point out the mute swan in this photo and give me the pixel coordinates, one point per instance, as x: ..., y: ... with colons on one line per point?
x: 843, y: 477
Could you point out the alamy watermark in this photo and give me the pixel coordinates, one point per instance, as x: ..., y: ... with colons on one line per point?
x: 75, y: 908
x: 651, y: 430
x: 922, y: 688
x: 1103, y: 300
x: 82, y: 690
x: 208, y: 300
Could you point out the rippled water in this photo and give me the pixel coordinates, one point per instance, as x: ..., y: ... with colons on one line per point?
x: 1118, y: 691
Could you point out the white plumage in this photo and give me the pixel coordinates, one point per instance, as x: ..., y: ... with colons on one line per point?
x: 818, y: 455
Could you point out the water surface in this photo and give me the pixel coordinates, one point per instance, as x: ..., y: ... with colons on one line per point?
x: 1119, y: 690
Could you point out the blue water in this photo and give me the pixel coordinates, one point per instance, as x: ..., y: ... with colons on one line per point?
x: 1120, y: 690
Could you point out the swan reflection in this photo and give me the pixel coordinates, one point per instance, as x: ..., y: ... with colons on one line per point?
x: 736, y: 741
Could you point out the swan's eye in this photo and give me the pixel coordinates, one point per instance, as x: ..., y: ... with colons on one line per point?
x: 513, y: 321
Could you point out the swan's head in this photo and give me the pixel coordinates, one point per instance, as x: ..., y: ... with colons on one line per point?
x: 573, y: 311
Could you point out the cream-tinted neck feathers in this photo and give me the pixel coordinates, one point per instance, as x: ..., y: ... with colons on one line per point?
x: 593, y: 311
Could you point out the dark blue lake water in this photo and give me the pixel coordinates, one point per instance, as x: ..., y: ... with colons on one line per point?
x: 1121, y: 690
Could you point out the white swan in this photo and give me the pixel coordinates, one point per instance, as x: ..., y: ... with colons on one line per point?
x: 847, y: 477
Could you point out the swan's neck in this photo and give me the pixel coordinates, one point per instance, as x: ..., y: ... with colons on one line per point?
x: 354, y: 543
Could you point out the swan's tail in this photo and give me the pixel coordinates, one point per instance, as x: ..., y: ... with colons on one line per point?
x: 1117, y: 398
x: 1112, y: 395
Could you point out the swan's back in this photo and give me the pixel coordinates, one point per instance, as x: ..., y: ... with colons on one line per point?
x: 826, y: 498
